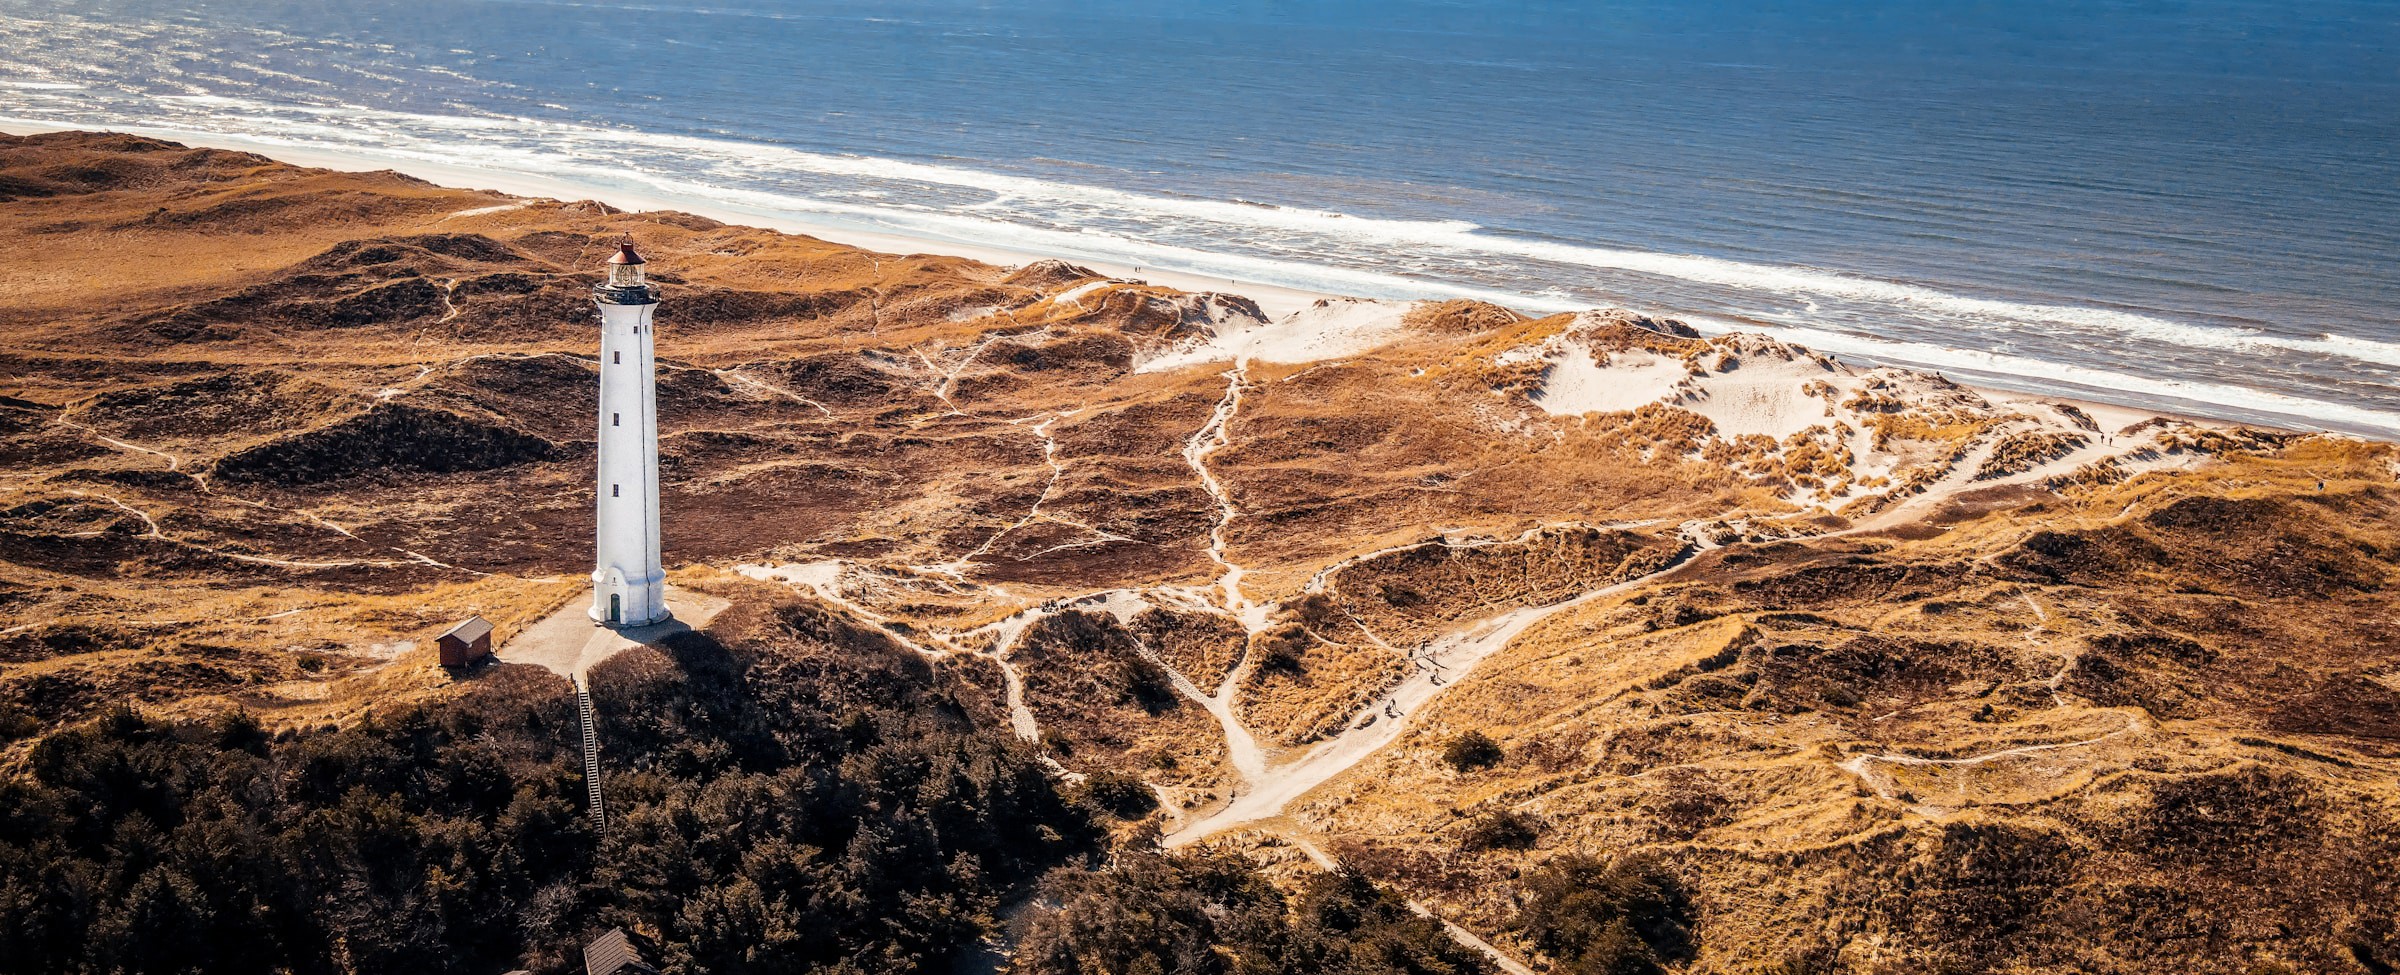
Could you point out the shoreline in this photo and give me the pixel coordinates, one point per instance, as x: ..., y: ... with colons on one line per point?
x: 1276, y: 301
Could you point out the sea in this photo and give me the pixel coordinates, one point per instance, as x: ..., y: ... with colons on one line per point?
x: 2179, y: 204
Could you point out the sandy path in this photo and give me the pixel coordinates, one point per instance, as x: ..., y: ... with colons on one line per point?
x: 824, y: 579
x: 1215, y: 435
x: 322, y: 522
x: 957, y: 568
x: 1959, y: 478
x: 450, y: 308
x: 1265, y: 790
x: 765, y: 390
x: 174, y: 463
x: 950, y: 376
x: 2136, y: 458
x: 1451, y: 659
x: 1864, y: 764
x: 1241, y: 748
x: 151, y: 530
x: 151, y: 524
x: 1020, y: 717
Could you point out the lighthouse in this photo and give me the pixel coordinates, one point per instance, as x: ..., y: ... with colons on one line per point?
x: 628, y: 584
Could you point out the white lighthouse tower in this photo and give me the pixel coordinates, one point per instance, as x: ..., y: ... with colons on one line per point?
x: 628, y: 584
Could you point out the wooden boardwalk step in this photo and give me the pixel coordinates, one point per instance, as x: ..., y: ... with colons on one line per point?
x: 591, y: 752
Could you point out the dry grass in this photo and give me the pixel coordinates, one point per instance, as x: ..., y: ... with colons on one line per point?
x: 1735, y: 715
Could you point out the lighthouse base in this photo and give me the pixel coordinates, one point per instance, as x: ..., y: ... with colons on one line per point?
x: 600, y: 618
x: 623, y: 603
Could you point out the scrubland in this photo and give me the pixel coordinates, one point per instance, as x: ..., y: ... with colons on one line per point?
x: 1618, y: 647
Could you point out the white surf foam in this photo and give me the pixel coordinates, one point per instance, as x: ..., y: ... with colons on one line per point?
x: 2295, y: 409
x: 1466, y: 238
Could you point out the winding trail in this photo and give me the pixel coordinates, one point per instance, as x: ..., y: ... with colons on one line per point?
x: 1265, y: 789
x: 1213, y: 436
x: 152, y: 531
x: 2133, y: 459
x: 410, y: 383
x: 450, y: 308
x: 322, y: 522
x: 1450, y: 658
x: 209, y: 488
x: 174, y: 463
x: 956, y: 569
x: 1268, y: 785
x: 1863, y: 764
x: 1012, y: 681
x: 825, y: 579
x: 950, y: 377
x: 1241, y: 748
x: 1266, y: 793
x: 1020, y: 717
x: 764, y: 389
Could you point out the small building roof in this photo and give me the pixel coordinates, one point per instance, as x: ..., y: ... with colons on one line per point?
x: 612, y: 954
x: 625, y: 254
x: 471, y: 629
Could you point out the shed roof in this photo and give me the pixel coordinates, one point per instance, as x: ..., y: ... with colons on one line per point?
x: 469, y: 630
x: 612, y: 954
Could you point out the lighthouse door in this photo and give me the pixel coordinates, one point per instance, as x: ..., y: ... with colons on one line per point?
x: 616, y: 608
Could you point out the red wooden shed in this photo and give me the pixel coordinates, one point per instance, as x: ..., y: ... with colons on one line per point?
x: 470, y: 642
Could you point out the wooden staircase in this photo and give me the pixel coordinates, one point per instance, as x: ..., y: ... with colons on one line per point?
x: 591, y: 751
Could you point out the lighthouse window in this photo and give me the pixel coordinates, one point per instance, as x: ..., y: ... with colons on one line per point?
x: 617, y: 357
x: 613, y: 418
x: 612, y: 491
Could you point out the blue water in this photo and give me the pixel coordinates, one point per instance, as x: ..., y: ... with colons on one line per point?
x: 2186, y: 204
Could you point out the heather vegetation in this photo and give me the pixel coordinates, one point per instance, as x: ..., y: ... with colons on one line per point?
x: 435, y: 839
x: 808, y: 801
x: 1502, y: 829
x: 1630, y: 916
x: 1149, y: 913
x: 810, y: 797
x: 1125, y: 796
x: 1472, y: 750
